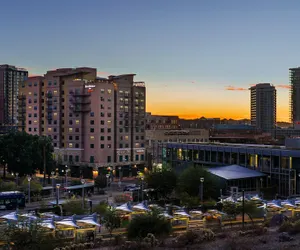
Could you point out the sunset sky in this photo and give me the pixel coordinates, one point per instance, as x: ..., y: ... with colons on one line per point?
x: 197, y: 57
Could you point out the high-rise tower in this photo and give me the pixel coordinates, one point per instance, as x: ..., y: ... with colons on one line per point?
x: 263, y: 106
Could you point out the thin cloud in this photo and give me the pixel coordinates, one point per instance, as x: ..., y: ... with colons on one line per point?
x: 233, y: 88
x: 283, y: 86
x: 33, y: 75
x: 103, y: 73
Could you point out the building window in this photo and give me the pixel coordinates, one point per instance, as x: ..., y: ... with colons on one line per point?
x: 49, y: 129
x: 120, y: 158
x: 92, y: 137
x: 109, y: 145
x: 77, y: 130
x: 109, y: 91
x: 76, y: 137
x: 92, y: 130
x: 137, y: 137
x: 70, y: 129
x: 108, y: 114
x: 136, y: 157
x: 29, y: 129
x: 92, y: 159
x: 76, y: 158
x: 102, y: 114
x: 102, y: 130
x: 121, y: 130
x: 109, y: 158
x: 102, y: 91
x: 92, y: 114
x: 109, y: 130
x: 70, y: 145
x: 70, y: 137
x: 102, y: 122
x: 77, y: 122
x: 70, y: 122
x: 102, y: 138
x: 102, y: 146
x: 109, y: 138
x: 142, y: 157
x: 121, y: 145
x: 91, y: 145
x: 92, y: 122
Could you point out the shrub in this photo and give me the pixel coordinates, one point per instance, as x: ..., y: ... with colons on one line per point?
x: 285, y: 226
x: 295, y: 229
x: 151, y: 222
x: 150, y: 240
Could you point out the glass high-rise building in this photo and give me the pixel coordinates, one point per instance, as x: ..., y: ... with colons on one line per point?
x: 10, y: 78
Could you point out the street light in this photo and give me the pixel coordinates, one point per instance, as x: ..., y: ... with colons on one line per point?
x: 201, y: 188
x: 57, y: 193
x: 120, y: 176
x: 142, y: 178
x: 29, y: 180
x: 107, y: 179
x: 67, y: 170
x: 17, y: 179
x: 83, y: 183
x: 52, y: 180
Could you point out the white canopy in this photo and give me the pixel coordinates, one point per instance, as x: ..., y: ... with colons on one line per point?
x: 47, y: 224
x: 182, y: 213
x: 49, y: 215
x: 89, y: 220
x: 124, y: 208
x: 67, y: 222
x: 10, y: 216
x: 195, y: 212
x: 60, y: 202
x: 29, y: 216
x: 140, y: 206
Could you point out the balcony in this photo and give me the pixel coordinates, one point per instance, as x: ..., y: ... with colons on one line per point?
x: 22, y: 110
x: 78, y: 109
x: 22, y: 104
x: 22, y: 97
x: 82, y: 94
x: 83, y: 101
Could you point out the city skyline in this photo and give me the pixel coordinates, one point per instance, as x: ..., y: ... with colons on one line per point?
x: 197, y: 59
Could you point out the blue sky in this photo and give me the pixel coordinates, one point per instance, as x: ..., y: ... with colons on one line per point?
x: 193, y: 50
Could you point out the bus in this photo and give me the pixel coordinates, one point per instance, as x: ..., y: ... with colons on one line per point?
x: 12, y: 200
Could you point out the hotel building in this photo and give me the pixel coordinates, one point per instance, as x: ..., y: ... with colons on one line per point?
x: 92, y: 121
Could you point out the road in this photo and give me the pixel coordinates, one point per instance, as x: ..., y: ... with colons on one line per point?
x: 111, y: 192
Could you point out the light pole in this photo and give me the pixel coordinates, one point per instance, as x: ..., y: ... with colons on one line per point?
x: 52, y: 180
x: 120, y: 176
x: 142, y: 178
x: 269, y: 181
x: 57, y: 193
x: 29, y: 180
x: 201, y: 189
x: 67, y: 170
x: 299, y: 183
x: 17, y: 179
x: 83, y: 184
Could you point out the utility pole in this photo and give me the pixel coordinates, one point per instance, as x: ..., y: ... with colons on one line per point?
x: 44, y: 155
x: 243, y: 209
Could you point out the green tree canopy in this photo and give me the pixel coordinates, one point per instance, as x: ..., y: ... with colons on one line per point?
x: 189, y: 182
x: 150, y: 222
x: 163, y: 182
x: 100, y: 182
x: 112, y: 220
x: 24, y: 153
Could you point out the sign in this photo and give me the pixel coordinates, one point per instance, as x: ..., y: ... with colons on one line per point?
x: 89, y: 86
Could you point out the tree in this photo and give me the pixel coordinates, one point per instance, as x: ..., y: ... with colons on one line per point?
x: 233, y: 209
x: 100, y: 182
x: 151, y: 222
x: 189, y: 182
x: 189, y: 201
x: 112, y: 220
x: 163, y: 182
x: 7, y: 186
x: 72, y: 207
x: 33, y: 237
x: 35, y: 186
x: 101, y: 208
x: 23, y: 153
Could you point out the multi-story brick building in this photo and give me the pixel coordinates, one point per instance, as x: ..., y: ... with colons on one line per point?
x: 92, y: 121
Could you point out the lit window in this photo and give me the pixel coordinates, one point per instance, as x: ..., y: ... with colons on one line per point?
x: 109, y: 91
x: 29, y: 93
x: 29, y: 107
x: 70, y: 129
x: 55, y: 92
x: 126, y: 137
x: 77, y: 121
x: 35, y: 121
x: 102, y: 91
x: 92, y: 137
x: 70, y: 145
x: 108, y: 122
x: 49, y: 129
x: 55, y: 114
